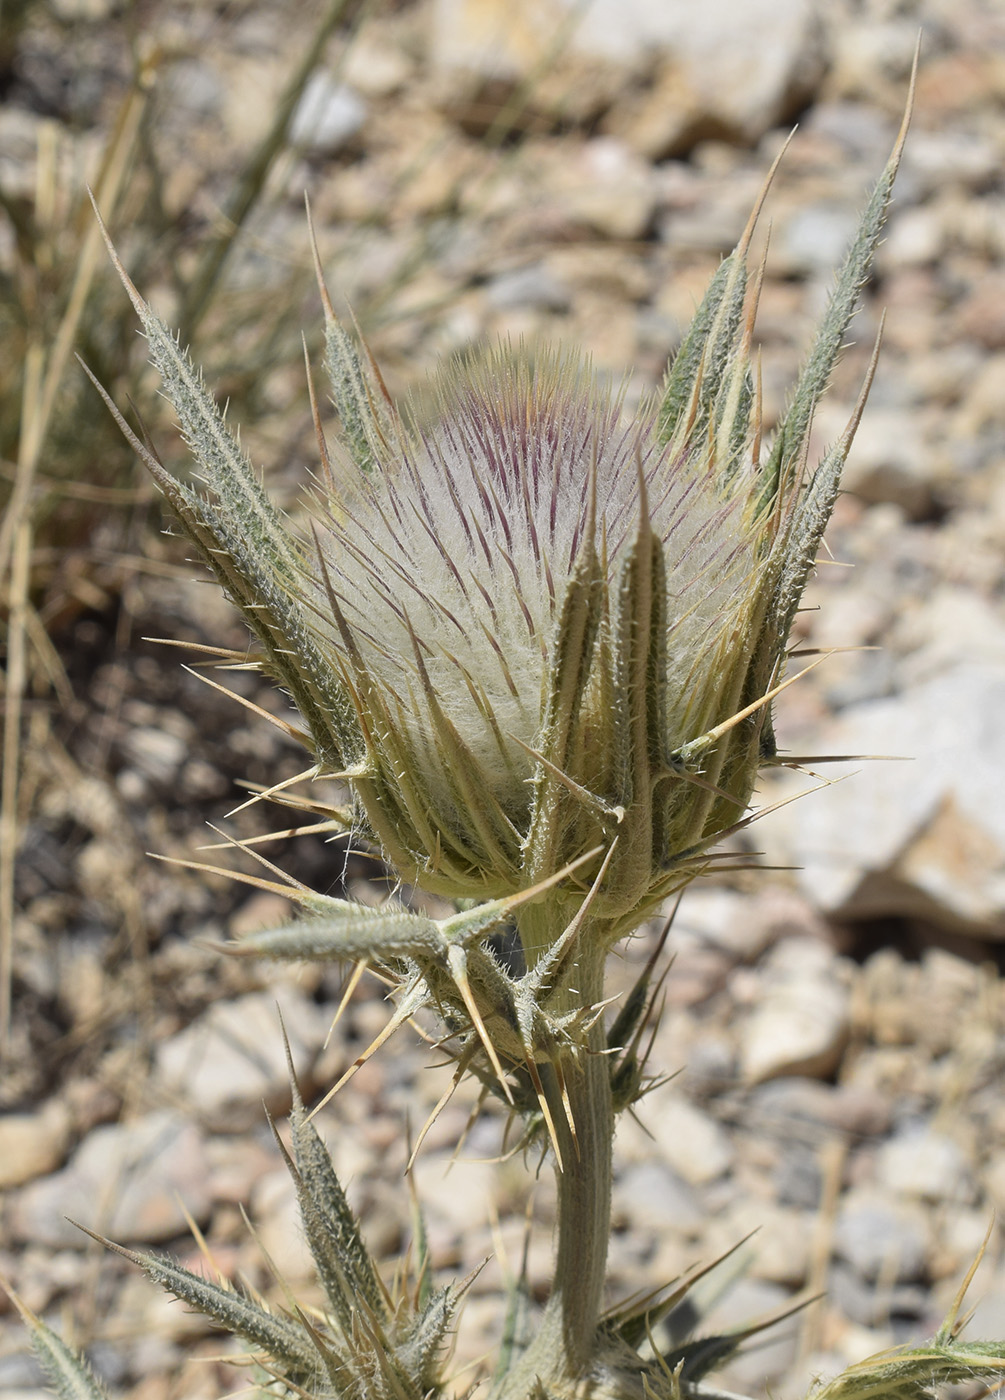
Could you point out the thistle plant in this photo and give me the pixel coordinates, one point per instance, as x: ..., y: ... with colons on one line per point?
x: 538, y: 639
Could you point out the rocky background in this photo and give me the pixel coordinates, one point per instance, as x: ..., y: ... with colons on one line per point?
x: 835, y: 1019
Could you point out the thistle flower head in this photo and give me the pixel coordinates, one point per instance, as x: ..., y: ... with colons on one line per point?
x: 468, y: 588
x: 524, y: 623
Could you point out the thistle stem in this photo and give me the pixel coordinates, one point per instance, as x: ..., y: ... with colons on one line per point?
x: 564, y: 1344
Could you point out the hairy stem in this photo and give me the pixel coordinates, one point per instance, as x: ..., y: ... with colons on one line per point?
x: 564, y: 1344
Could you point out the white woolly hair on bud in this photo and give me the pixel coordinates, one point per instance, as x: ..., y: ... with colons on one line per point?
x: 454, y: 553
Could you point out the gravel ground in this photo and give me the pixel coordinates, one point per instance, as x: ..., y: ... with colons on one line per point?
x: 837, y: 1032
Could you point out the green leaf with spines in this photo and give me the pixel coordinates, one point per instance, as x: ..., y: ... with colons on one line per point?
x: 678, y: 388
x: 272, y: 613
x: 732, y: 419
x: 791, y: 434
x: 273, y: 609
x: 322, y: 1188
x: 421, y: 1352
x: 468, y: 786
x: 917, y: 1373
x: 227, y: 467
x: 363, y: 426
x: 352, y: 933
x: 282, y: 1340
x: 321, y: 1234
x: 67, y: 1370
x: 804, y: 531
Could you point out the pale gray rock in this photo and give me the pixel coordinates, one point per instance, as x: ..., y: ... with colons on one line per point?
x: 935, y: 159
x: 993, y: 1181
x: 926, y: 1165
x: 756, y: 1369
x: 746, y: 64
x: 741, y: 66
x: 881, y: 1237
x: 982, y: 386
x: 233, y: 1058
x: 328, y: 115
x: 816, y: 237
x: 156, y: 753
x: 869, y: 53
x: 960, y: 1235
x: 19, y: 137
x: 952, y: 625
x: 194, y: 84
x: 890, y: 462
x: 864, y: 1302
x: 456, y: 1195
x: 279, y: 1227
x: 132, y: 1181
x: 82, y: 11
x: 988, y: 1316
x: 865, y: 131
x: 22, y: 1378
x: 652, y: 1197
x: 779, y: 1247
x: 534, y: 286
x: 739, y: 925
x: 783, y: 1243
x: 916, y: 238
x: 611, y: 191
x: 716, y: 917
x: 923, y: 838
x: 800, y: 1020
x: 456, y: 1189
x: 689, y: 1140
x: 375, y: 67
x: 806, y: 1110
x: 713, y: 226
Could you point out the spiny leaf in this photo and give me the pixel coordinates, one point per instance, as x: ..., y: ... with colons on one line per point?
x: 695, y: 1359
x: 640, y: 700
x: 468, y: 787
x: 353, y: 396
x: 364, y: 420
x: 633, y: 1006
x: 322, y: 1234
x: 678, y: 389
x: 228, y: 468
x: 271, y: 604
x: 321, y: 1183
x: 354, y: 932
x: 709, y: 373
x: 68, y: 1371
x: 792, y: 431
x: 377, y: 1373
x: 632, y: 1318
x: 800, y: 542
x: 421, y: 1353
x: 277, y: 1336
x: 246, y: 529
x: 915, y: 1373
x: 270, y: 609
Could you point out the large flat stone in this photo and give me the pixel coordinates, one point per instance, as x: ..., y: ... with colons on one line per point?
x: 924, y: 838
